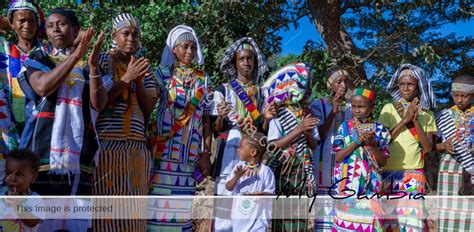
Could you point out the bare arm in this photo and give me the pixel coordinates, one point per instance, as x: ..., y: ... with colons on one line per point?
x: 426, y: 139
x: 379, y: 156
x: 239, y: 172
x: 146, y: 102
x: 98, y: 94
x: 44, y: 84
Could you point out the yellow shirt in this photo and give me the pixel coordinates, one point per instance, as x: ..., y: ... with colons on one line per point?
x: 405, y: 151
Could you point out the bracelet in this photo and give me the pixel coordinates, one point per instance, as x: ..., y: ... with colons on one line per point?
x: 94, y: 76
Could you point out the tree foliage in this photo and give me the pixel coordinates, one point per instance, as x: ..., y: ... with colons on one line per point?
x: 217, y: 24
x: 391, y: 33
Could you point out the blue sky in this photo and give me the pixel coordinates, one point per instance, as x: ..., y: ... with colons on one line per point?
x: 294, y: 40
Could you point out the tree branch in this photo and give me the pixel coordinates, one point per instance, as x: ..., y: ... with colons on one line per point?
x: 353, y: 6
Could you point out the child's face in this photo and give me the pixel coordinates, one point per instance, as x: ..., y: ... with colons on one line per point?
x: 246, y: 152
x: 408, y: 87
x: 361, y: 107
x: 19, y: 175
x: 462, y: 100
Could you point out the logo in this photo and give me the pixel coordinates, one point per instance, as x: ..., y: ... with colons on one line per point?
x: 410, y: 185
x: 246, y: 206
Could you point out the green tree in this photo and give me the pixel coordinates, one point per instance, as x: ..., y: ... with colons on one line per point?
x: 391, y: 33
x: 217, y: 24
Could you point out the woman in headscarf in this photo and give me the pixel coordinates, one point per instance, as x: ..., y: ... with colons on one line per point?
x: 60, y: 129
x: 292, y: 134
x: 237, y: 107
x: 412, y: 125
x: 331, y: 112
x: 124, y: 159
x: 179, y: 126
x: 27, y: 20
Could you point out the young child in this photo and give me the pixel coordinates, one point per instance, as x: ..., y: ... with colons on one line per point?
x: 360, y: 149
x: 251, y: 177
x: 21, y: 170
x: 412, y: 125
x: 456, y: 127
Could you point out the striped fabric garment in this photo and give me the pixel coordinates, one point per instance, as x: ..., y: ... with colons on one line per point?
x: 455, y: 214
x: 291, y: 169
x: 123, y: 119
x: 123, y: 169
x: 445, y: 123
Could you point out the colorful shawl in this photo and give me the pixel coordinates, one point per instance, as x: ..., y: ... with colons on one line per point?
x: 9, y: 136
x: 360, y: 166
x: 176, y: 119
x: 287, y: 85
x: 68, y: 123
x: 460, y: 125
x: 425, y: 91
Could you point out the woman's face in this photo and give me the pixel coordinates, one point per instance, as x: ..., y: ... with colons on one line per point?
x: 408, y: 87
x: 25, y: 24
x: 185, y: 52
x: 341, y: 83
x: 60, y: 31
x: 128, y: 40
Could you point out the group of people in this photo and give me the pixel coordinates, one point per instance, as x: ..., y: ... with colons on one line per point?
x: 115, y: 125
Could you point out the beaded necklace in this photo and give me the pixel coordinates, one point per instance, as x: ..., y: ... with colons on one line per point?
x: 464, y: 122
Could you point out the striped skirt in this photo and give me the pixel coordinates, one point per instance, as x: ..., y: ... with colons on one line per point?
x: 171, y: 179
x: 455, y: 214
x: 411, y: 182
x: 288, y: 176
x: 123, y: 169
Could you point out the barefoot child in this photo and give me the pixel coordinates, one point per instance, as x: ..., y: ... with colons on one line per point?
x: 360, y: 149
x: 456, y: 125
x: 251, y: 177
x: 21, y: 170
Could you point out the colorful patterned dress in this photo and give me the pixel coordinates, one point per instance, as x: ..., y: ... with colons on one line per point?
x: 124, y: 159
x: 455, y: 213
x: 176, y: 127
x: 229, y: 140
x: 13, y: 107
x: 324, y: 161
x: 363, y: 176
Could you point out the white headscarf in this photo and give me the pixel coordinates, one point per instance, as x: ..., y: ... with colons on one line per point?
x: 167, y: 56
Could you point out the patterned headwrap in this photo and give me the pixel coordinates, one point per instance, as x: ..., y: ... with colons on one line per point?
x: 122, y: 21
x: 461, y: 87
x: 228, y: 67
x: 167, y: 56
x: 26, y: 5
x: 288, y: 84
x: 364, y: 92
x: 332, y: 77
x: 425, y: 91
